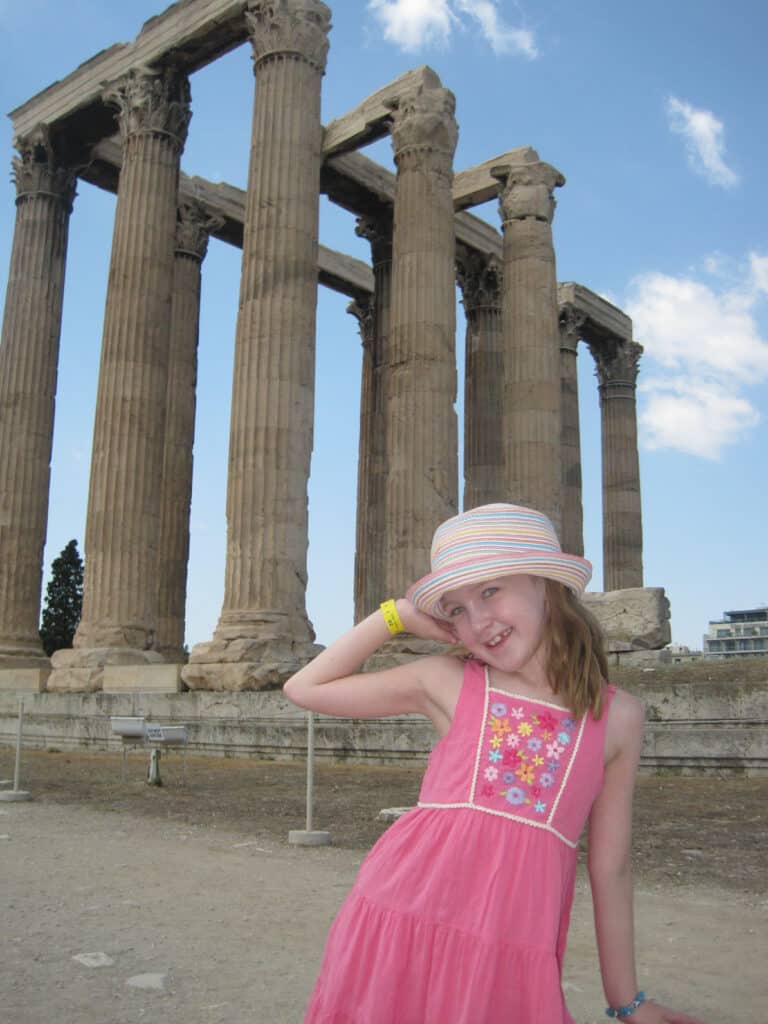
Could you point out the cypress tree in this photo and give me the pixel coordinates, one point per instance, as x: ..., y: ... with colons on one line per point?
x: 63, y: 600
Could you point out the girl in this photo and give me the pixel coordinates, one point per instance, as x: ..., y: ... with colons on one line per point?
x: 459, y: 914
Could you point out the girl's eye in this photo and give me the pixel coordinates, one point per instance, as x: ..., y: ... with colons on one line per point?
x: 490, y: 591
x: 455, y: 611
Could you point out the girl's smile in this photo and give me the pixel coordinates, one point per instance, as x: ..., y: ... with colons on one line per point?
x: 501, y: 621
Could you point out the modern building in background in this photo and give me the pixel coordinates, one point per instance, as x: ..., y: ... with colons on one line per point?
x: 738, y: 634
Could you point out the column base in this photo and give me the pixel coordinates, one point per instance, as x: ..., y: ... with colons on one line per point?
x: 246, y: 664
x: 23, y: 656
x: 81, y: 669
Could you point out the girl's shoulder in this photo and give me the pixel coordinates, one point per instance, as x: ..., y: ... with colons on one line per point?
x: 624, y: 726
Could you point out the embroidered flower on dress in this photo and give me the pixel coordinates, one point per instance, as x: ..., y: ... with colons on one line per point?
x: 568, y: 723
x: 540, y: 807
x: 534, y: 743
x: 508, y: 777
x: 525, y: 773
x: 499, y: 724
x: 547, y: 720
x: 487, y: 789
x: 538, y: 760
x: 491, y: 773
x: 509, y: 757
x: 553, y: 766
x: 564, y: 738
x: 513, y: 740
x: 495, y: 741
x: 516, y: 796
x: 494, y: 755
x: 554, y: 750
x: 525, y: 728
x: 498, y: 709
x: 546, y: 779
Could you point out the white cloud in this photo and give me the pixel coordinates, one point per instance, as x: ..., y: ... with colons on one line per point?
x: 710, y: 345
x: 503, y: 38
x: 704, y: 141
x: 418, y: 24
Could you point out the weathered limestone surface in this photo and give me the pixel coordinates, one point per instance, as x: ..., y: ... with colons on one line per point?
x: 192, y: 233
x: 420, y: 389
x: 122, y: 532
x: 142, y: 678
x: 375, y: 318
x: 82, y: 671
x: 617, y: 366
x: 263, y: 623
x: 28, y: 370
x: 635, y: 618
x: 21, y: 680
x: 532, y: 422
x: 480, y: 278
x: 572, y: 531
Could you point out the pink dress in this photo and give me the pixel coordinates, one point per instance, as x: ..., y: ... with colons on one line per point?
x: 459, y: 913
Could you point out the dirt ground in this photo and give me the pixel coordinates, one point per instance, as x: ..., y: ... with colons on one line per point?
x: 202, y: 911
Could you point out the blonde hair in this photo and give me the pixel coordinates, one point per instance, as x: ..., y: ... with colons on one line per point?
x: 576, y: 663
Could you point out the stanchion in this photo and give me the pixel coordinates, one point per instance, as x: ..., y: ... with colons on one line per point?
x: 16, y: 793
x: 309, y: 836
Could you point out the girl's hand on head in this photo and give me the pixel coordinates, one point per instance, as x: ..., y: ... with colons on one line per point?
x: 422, y: 625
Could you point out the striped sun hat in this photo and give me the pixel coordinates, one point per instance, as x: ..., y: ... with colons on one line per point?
x: 491, y: 541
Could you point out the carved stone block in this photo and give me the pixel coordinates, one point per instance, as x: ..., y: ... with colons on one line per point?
x: 636, y: 619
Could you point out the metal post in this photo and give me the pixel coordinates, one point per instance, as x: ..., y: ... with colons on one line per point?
x: 308, y: 836
x: 16, y: 793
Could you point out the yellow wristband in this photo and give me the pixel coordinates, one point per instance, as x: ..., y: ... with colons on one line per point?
x: 392, y: 619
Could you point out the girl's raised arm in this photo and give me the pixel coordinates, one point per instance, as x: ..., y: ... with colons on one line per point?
x: 332, y: 684
x: 610, y: 868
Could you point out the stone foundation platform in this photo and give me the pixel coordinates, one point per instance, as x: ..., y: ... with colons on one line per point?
x: 707, y: 719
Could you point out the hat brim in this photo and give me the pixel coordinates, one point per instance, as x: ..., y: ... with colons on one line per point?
x: 427, y: 593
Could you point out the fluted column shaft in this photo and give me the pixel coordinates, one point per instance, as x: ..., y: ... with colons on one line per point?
x: 121, y: 568
x: 273, y: 393
x: 617, y: 367
x: 374, y: 320
x: 421, y: 484
x: 192, y: 233
x: 531, y: 344
x: 29, y: 356
x: 480, y: 278
x: 572, y: 531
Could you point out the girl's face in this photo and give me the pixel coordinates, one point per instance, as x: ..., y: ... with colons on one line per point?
x: 501, y: 621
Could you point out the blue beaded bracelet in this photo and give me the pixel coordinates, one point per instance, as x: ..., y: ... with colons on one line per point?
x: 624, y: 1011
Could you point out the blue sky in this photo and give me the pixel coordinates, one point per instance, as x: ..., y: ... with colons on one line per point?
x: 655, y: 113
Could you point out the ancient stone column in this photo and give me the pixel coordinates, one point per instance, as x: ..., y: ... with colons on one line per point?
x: 421, y: 484
x: 617, y: 368
x: 374, y: 320
x: 120, y: 587
x: 192, y: 233
x: 263, y: 634
x: 531, y: 344
x: 480, y: 279
x: 572, y: 530
x: 29, y: 356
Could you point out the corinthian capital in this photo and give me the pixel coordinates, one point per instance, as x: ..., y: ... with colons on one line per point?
x: 571, y: 320
x: 423, y: 121
x: 480, y: 278
x: 297, y: 28
x: 617, y: 362
x: 378, y: 231
x: 363, y: 312
x: 36, y: 171
x: 527, y: 190
x: 194, y: 225
x: 151, y: 102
